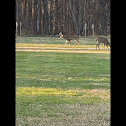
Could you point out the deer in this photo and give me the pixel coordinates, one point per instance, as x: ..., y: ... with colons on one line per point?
x: 102, y: 40
x: 69, y: 37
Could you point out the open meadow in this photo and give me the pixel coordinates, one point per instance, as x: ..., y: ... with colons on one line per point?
x: 61, y: 85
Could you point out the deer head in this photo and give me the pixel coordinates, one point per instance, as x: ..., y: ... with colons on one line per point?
x: 61, y: 35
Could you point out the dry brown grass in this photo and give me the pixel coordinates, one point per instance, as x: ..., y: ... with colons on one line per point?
x: 59, y: 48
x: 73, y: 115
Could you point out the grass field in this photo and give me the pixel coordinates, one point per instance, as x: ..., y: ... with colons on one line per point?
x: 62, y: 85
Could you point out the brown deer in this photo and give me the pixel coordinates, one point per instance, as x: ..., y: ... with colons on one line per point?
x: 102, y: 40
x: 69, y: 37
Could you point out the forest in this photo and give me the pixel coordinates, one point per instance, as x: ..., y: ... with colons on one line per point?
x: 49, y: 17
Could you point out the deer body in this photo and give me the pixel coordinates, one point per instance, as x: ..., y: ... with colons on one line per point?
x: 102, y: 40
x: 69, y: 38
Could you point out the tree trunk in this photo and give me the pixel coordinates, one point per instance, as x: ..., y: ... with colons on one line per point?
x: 73, y: 14
x: 35, y: 16
x: 46, y: 27
x: 80, y: 17
x: 40, y: 16
x: 19, y: 15
x: 30, y: 17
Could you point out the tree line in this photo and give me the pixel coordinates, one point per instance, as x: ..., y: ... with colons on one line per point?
x: 49, y: 17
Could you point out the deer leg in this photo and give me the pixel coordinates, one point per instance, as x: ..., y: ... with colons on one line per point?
x: 104, y: 45
x: 97, y: 45
x: 77, y: 42
x: 70, y: 42
x: 66, y: 42
x: 107, y: 47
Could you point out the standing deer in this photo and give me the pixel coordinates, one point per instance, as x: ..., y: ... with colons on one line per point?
x: 69, y: 37
x: 102, y: 40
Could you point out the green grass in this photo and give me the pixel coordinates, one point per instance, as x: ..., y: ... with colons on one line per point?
x: 61, y: 88
x: 56, y: 40
x: 55, y: 69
